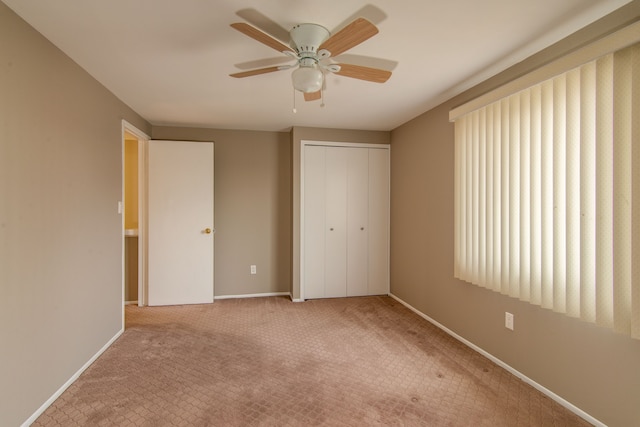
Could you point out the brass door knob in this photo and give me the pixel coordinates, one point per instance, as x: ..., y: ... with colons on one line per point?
x: 207, y: 230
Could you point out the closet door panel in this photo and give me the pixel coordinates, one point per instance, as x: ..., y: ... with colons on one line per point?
x: 357, y: 220
x: 336, y: 223
x: 314, y: 221
x: 378, y: 252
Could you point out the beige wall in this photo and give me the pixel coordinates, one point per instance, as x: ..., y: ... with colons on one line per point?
x: 252, y: 202
x: 315, y: 134
x: 594, y: 369
x: 60, y: 232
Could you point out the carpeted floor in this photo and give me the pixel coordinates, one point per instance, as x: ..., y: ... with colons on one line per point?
x: 268, y: 361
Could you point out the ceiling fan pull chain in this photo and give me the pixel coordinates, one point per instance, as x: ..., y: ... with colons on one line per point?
x: 294, y: 102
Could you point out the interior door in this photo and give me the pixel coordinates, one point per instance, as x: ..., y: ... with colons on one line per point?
x: 314, y: 224
x: 357, y: 220
x: 346, y: 221
x: 336, y: 223
x: 180, y: 223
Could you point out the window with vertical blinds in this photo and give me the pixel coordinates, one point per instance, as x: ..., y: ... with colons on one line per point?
x: 547, y: 193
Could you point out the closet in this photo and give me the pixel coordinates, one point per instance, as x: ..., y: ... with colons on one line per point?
x: 345, y: 220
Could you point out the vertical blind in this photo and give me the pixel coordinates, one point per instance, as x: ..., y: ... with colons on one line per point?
x: 547, y: 193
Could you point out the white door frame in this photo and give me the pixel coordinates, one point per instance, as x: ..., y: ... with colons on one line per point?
x: 303, y: 145
x: 143, y: 146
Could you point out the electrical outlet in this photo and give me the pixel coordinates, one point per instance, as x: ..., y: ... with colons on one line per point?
x: 508, y: 320
x: 254, y: 270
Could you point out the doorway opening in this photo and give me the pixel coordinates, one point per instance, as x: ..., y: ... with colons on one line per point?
x: 134, y: 145
x: 130, y: 219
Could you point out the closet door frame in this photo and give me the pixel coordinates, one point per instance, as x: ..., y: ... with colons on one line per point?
x: 303, y: 145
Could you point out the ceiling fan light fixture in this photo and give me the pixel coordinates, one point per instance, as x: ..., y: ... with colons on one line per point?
x: 307, y: 79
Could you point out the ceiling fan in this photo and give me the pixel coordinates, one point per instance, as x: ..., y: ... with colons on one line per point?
x: 312, y: 46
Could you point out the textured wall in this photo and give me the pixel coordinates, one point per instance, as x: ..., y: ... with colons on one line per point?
x: 60, y: 231
x: 596, y: 370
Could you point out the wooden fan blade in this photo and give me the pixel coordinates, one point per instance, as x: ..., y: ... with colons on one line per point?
x: 258, y: 35
x: 255, y: 72
x: 312, y: 96
x: 350, y: 36
x: 369, y: 74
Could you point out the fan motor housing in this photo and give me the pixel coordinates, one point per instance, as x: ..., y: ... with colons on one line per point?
x: 307, y: 38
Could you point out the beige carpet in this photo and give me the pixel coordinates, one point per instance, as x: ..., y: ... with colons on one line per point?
x: 268, y: 361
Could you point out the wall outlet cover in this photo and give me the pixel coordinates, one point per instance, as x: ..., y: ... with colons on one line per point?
x: 508, y: 320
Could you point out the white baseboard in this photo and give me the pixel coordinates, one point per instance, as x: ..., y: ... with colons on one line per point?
x: 131, y: 302
x: 579, y: 412
x: 70, y: 381
x: 266, y: 294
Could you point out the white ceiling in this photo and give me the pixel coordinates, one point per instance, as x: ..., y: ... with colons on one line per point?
x: 170, y: 60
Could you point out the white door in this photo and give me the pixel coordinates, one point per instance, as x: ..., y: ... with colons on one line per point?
x: 314, y: 224
x: 180, y: 222
x: 346, y: 221
x: 357, y: 210
x: 336, y: 223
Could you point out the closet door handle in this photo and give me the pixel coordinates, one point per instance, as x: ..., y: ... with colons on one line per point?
x: 361, y: 228
x: 331, y: 229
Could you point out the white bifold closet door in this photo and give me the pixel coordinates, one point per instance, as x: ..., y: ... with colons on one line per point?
x: 346, y: 221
